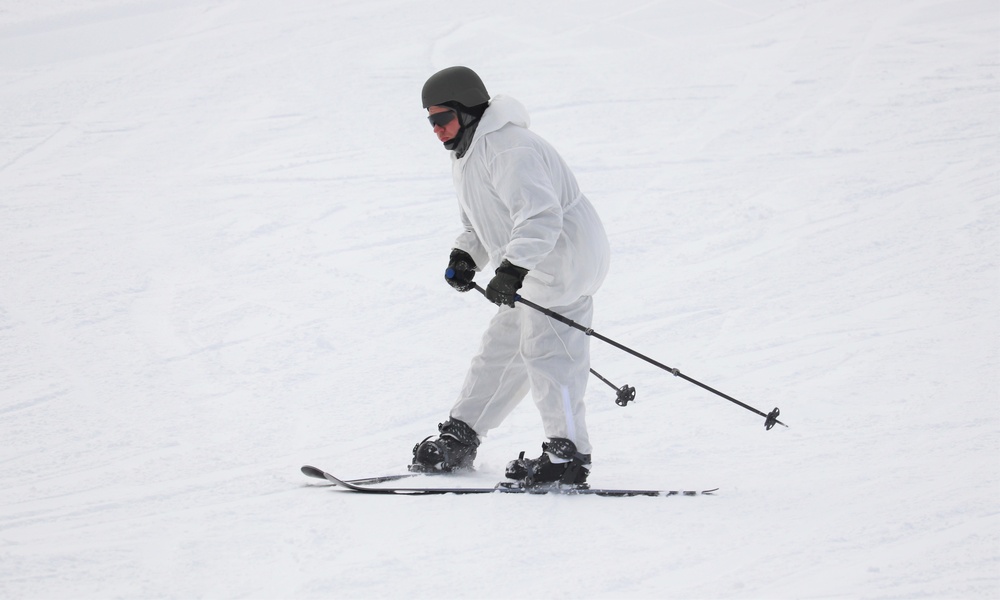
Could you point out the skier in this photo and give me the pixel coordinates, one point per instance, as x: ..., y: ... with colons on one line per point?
x: 522, y: 211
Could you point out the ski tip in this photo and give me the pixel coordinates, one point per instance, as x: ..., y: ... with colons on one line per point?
x: 313, y: 472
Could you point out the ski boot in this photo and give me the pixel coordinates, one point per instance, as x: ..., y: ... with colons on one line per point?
x: 453, y: 450
x: 559, y: 465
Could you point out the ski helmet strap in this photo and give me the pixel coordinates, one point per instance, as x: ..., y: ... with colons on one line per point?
x: 466, y: 134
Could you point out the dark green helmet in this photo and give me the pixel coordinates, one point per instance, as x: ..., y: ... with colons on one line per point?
x: 455, y: 84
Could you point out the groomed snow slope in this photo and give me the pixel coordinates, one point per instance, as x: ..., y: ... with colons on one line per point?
x: 222, y: 232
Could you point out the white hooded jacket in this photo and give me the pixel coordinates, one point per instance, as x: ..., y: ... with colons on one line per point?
x: 520, y: 202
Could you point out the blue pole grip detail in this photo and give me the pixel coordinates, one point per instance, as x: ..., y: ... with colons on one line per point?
x: 449, y: 273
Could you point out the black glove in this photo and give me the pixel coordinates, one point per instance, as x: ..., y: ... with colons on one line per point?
x: 461, y: 270
x: 504, y: 285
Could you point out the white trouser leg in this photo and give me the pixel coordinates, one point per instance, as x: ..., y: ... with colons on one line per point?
x: 557, y: 358
x: 497, y: 380
x: 523, y: 349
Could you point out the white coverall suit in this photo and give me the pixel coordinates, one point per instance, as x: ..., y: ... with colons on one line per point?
x: 520, y: 202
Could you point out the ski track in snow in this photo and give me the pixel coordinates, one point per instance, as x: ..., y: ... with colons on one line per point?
x: 223, y: 229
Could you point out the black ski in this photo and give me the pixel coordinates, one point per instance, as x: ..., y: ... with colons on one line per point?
x: 320, y: 474
x: 363, y: 486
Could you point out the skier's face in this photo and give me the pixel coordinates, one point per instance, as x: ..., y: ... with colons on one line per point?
x: 444, y: 128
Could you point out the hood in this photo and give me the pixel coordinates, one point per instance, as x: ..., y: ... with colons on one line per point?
x: 502, y: 110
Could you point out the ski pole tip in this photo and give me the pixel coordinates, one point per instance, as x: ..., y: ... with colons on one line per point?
x: 772, y: 419
x: 626, y: 394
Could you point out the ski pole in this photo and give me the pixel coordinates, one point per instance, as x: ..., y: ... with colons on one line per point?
x: 770, y: 419
x: 626, y: 393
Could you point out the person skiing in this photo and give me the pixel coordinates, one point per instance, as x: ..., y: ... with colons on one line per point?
x: 521, y: 210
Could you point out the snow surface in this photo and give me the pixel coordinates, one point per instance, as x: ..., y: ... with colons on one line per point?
x: 223, y: 229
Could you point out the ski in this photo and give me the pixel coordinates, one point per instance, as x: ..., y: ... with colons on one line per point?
x: 320, y: 474
x: 363, y: 486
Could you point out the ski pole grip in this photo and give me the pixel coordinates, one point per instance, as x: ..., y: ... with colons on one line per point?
x: 449, y: 273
